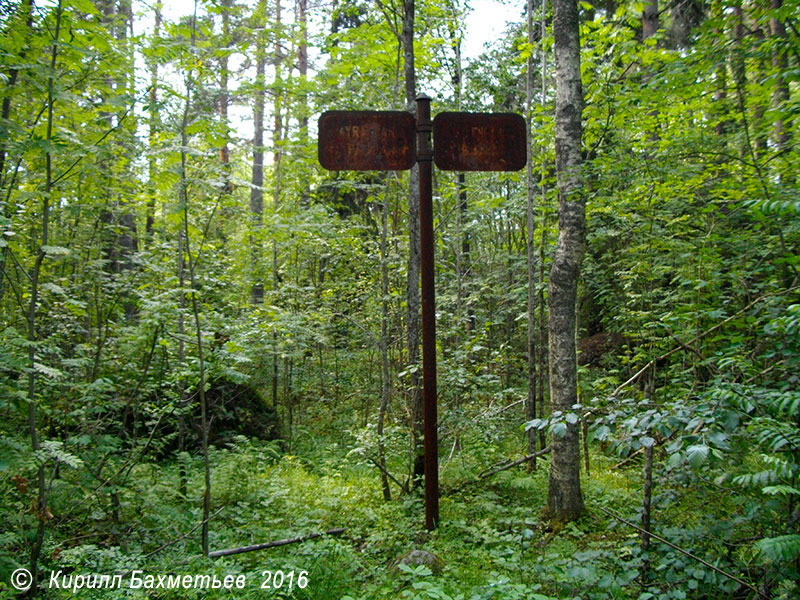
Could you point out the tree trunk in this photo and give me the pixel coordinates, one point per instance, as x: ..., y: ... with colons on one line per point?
x: 780, y: 93
x: 413, y: 302
x: 25, y: 14
x: 301, y: 16
x: 223, y: 98
x: 184, y: 203
x: 257, y: 178
x: 153, y: 123
x: 541, y: 355
x: 302, y: 68
x: 646, y: 497
x: 530, y: 402
x: 40, y: 508
x: 276, y: 193
x: 565, y: 502
x: 462, y: 258
x: 384, y: 343
x: 721, y: 79
x: 650, y: 19
x: 761, y: 131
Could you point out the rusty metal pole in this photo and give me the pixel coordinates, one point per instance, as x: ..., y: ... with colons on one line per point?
x: 429, y: 414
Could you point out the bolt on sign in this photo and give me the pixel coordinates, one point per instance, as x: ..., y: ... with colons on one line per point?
x: 384, y: 141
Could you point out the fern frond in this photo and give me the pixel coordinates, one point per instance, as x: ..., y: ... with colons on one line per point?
x: 775, y: 490
x: 783, y: 548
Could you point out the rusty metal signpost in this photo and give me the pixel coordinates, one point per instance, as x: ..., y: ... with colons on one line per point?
x: 384, y: 141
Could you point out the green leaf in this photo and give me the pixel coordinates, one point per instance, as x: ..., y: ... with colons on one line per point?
x: 52, y: 287
x: 602, y: 433
x: 697, y: 455
x: 533, y: 423
x: 48, y: 371
x: 774, y: 490
x: 55, y: 250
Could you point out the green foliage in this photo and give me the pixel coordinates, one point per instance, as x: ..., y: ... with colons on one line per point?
x: 691, y: 259
x: 783, y: 549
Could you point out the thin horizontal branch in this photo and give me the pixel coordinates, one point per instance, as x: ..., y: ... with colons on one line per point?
x: 302, y: 538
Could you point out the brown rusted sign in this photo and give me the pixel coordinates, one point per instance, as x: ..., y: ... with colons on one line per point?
x: 367, y: 140
x: 479, y: 141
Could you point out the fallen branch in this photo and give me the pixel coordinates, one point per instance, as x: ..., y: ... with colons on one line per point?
x: 684, y: 552
x: 302, y: 538
x: 505, y: 465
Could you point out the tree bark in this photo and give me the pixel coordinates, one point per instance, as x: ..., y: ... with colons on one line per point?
x: 541, y: 355
x: 384, y: 343
x: 40, y: 507
x: 276, y: 193
x: 153, y: 123
x: 223, y: 99
x: 26, y: 14
x: 649, y: 19
x: 257, y: 178
x: 646, y: 498
x: 780, y: 93
x: 413, y: 294
x: 565, y: 502
x: 530, y: 403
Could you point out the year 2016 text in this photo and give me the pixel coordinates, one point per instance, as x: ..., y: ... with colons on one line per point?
x: 276, y: 580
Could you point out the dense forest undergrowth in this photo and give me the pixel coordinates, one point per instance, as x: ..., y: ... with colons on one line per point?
x: 209, y: 342
x: 492, y: 544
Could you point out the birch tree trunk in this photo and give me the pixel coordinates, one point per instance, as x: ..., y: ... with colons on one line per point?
x: 564, y: 501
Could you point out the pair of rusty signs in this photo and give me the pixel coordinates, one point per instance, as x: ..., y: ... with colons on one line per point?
x: 384, y: 141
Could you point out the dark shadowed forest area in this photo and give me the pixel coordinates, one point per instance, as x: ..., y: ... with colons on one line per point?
x: 211, y: 347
